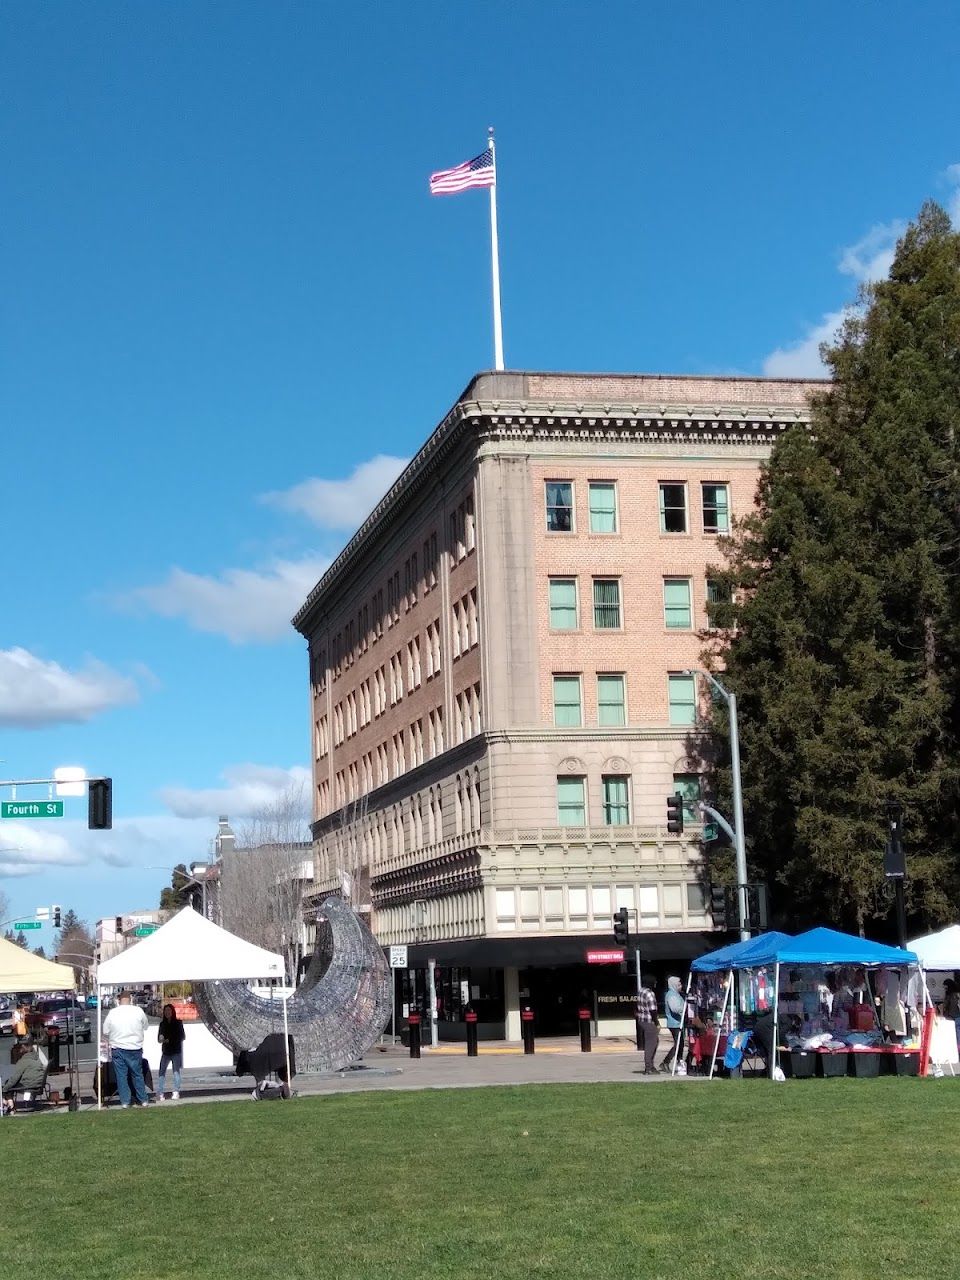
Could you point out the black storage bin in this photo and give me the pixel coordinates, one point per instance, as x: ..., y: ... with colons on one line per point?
x: 803, y: 1064
x: 902, y: 1064
x: 865, y: 1066
x: 832, y: 1065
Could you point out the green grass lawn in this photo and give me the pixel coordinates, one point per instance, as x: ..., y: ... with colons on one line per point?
x: 836, y: 1178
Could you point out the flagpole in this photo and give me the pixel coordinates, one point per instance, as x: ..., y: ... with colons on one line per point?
x: 495, y: 256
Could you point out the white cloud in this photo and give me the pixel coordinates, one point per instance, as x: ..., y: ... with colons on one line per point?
x: 802, y: 360
x: 35, y: 693
x: 867, y: 260
x: 27, y: 850
x: 248, y: 789
x: 241, y: 604
x: 340, y: 504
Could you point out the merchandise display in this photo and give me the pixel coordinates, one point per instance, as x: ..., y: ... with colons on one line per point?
x: 840, y: 1004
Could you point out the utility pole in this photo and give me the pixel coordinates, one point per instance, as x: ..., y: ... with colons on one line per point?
x: 895, y: 865
x: 739, y: 841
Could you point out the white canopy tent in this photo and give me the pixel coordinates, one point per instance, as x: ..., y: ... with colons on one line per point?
x: 939, y: 951
x: 188, y: 948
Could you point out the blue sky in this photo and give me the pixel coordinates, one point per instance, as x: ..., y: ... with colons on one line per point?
x: 230, y: 308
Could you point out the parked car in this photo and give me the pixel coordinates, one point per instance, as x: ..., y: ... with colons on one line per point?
x: 7, y: 1018
x: 62, y: 1012
x: 91, y: 1001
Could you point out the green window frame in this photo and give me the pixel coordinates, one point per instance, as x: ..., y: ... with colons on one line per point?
x: 567, y: 702
x: 677, y: 604
x: 688, y: 784
x: 682, y: 697
x: 673, y: 507
x: 572, y: 801
x: 616, y: 800
x: 563, y: 604
x: 611, y: 700
x: 716, y: 507
x: 606, y: 604
x: 603, y: 506
x: 559, y: 503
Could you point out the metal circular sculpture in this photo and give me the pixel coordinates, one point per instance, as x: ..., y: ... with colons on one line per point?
x: 334, y: 1016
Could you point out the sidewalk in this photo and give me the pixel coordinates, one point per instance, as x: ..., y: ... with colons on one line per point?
x: 389, y: 1067
x: 558, y: 1061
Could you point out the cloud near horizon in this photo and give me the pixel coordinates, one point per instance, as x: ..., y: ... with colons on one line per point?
x: 244, y: 605
x: 866, y: 261
x: 36, y: 693
x: 248, y: 790
x: 340, y: 504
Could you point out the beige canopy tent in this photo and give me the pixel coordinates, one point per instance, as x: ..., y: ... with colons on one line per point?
x: 21, y: 970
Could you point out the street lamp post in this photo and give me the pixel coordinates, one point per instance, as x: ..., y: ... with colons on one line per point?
x: 739, y: 842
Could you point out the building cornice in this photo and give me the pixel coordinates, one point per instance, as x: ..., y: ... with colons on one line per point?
x: 583, y: 406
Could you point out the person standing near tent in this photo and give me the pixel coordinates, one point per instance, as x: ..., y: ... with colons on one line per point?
x: 673, y: 1005
x: 171, y: 1034
x: 124, y: 1030
x: 648, y: 1028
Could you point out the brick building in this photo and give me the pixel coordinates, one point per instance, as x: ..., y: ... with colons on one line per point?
x: 499, y: 665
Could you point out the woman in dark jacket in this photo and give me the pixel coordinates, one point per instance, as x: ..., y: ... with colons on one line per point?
x: 171, y: 1034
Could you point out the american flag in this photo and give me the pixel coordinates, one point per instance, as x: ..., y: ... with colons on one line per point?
x: 478, y: 172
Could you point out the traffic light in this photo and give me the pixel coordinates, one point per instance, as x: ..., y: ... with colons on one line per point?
x: 675, y: 814
x: 56, y: 917
x: 118, y: 926
x: 757, y: 907
x: 621, y: 927
x: 718, y: 905
x: 100, y: 804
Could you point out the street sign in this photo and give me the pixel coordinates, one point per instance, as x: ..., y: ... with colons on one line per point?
x: 610, y: 956
x: 398, y: 957
x: 145, y: 930
x: 31, y: 809
x: 27, y: 924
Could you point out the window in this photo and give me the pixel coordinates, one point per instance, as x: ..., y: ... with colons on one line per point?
x: 716, y: 508
x: 683, y: 698
x: 616, y: 801
x: 677, y: 611
x: 696, y: 900
x: 719, y: 600
x: 673, y: 507
x: 606, y: 603
x: 688, y: 785
x: 563, y: 604
x: 559, y: 506
x: 611, y: 700
x: 571, y: 802
x: 566, y: 701
x: 603, y: 507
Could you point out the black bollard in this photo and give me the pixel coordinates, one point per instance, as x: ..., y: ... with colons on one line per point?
x: 584, y: 1030
x: 471, y: 1020
x: 413, y: 1022
x: 640, y: 1035
x: 526, y: 1028
x: 53, y: 1050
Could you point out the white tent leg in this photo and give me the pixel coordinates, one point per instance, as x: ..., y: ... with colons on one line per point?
x: 775, y: 1038
x: 99, y: 1043
x: 683, y: 1018
x: 723, y: 1014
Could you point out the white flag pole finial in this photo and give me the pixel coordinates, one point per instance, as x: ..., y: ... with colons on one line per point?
x: 495, y: 259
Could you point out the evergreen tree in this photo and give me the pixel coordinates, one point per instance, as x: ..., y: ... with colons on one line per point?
x: 846, y: 640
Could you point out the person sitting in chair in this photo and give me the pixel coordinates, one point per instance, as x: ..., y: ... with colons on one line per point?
x: 29, y: 1075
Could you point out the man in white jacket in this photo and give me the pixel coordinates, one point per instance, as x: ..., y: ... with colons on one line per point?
x: 124, y: 1029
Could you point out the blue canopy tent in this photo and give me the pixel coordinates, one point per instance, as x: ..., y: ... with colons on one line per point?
x: 741, y: 955
x: 818, y: 947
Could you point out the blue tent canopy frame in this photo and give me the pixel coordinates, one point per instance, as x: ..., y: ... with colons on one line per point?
x: 815, y: 947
